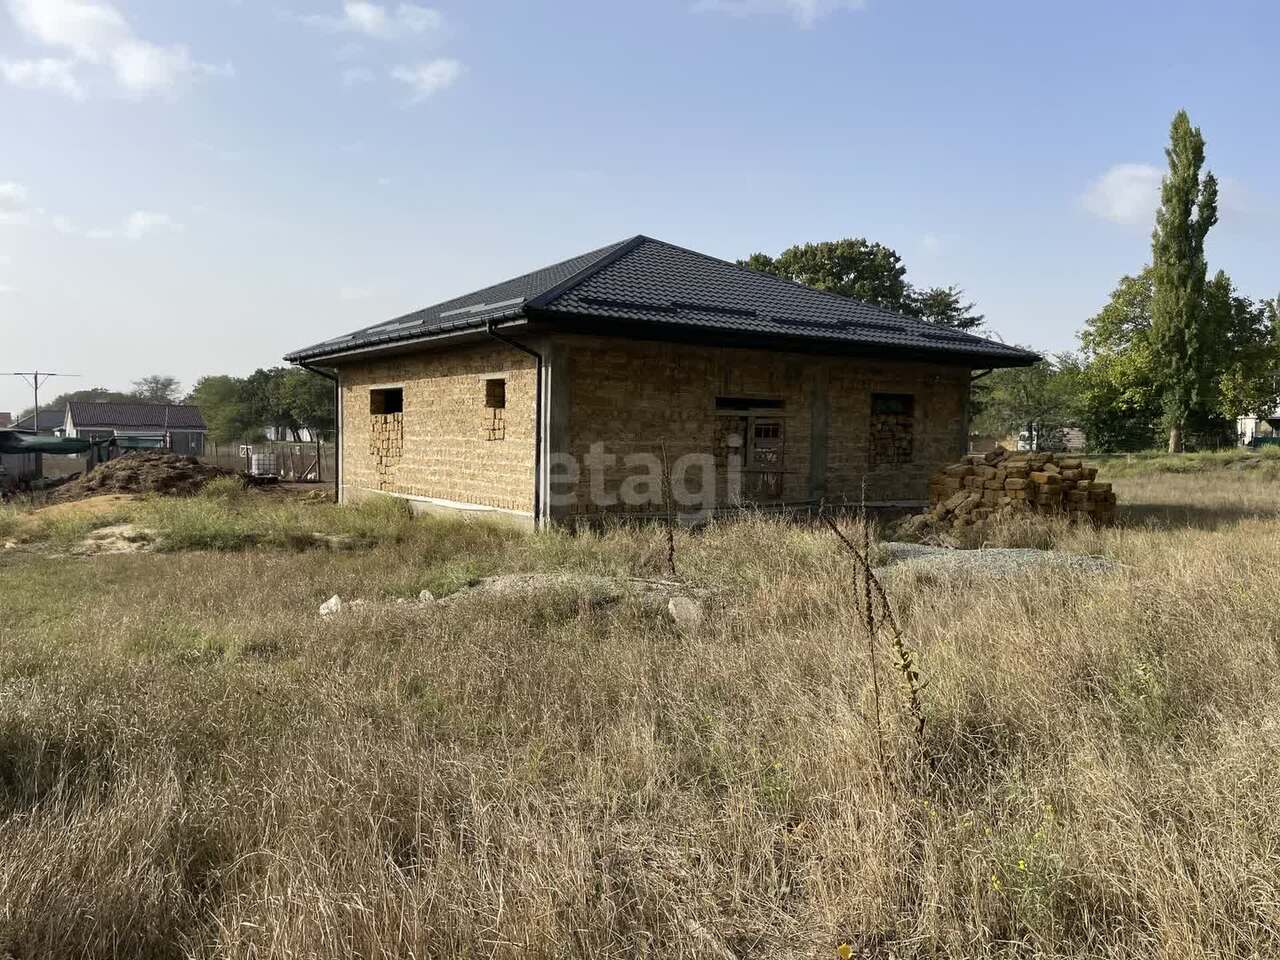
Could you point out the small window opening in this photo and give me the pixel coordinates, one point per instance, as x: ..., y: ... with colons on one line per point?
x: 495, y: 394
x: 892, y: 428
x: 388, y: 400
x: 495, y: 401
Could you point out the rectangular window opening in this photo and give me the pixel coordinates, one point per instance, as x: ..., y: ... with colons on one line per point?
x: 386, y: 400
x: 495, y: 394
x: 893, y: 429
x: 495, y: 402
x: 749, y: 403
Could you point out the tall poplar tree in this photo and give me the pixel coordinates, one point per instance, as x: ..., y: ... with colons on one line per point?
x: 1180, y: 330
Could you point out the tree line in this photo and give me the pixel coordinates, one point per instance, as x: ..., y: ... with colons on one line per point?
x: 287, y: 400
x: 1173, y: 353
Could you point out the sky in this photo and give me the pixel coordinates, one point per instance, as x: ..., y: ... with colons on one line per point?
x: 198, y: 187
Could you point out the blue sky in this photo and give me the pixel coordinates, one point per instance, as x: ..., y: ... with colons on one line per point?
x: 198, y: 187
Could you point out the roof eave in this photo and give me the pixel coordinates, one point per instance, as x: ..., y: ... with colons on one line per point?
x: 586, y: 323
x: 462, y: 330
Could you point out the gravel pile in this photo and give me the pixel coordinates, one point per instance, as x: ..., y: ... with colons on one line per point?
x: 995, y: 562
x: 142, y: 471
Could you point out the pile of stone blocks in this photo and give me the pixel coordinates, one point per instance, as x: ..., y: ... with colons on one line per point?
x: 1000, y: 483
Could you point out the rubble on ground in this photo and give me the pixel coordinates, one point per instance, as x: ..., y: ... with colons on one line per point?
x: 988, y: 487
x: 680, y: 603
x: 142, y: 471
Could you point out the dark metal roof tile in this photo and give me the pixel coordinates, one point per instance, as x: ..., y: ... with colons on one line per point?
x: 642, y: 280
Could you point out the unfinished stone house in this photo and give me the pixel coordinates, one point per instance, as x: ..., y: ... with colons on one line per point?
x: 567, y: 394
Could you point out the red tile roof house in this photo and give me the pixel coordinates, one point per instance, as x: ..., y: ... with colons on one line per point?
x: 178, y: 427
x: 558, y: 396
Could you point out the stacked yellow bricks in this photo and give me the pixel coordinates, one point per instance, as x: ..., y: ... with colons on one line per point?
x: 386, y: 445
x: 1001, y: 483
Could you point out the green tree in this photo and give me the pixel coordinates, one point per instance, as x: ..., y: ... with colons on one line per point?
x: 870, y: 272
x: 157, y: 388
x: 1180, y: 335
x: 945, y: 306
x: 1039, y: 400
x: 857, y: 268
x: 1248, y: 339
x: 309, y: 399
x: 1119, y: 388
x: 223, y: 404
x: 268, y: 402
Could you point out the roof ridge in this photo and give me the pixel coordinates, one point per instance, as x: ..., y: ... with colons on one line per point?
x: 604, y: 251
x: 826, y: 293
x: 615, y: 252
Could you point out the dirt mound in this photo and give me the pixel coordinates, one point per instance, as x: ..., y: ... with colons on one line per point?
x: 143, y: 471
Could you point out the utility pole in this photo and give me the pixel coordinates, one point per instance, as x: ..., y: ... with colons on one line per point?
x: 34, y: 378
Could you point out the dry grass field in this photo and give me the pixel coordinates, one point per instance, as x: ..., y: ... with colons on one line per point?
x: 194, y: 764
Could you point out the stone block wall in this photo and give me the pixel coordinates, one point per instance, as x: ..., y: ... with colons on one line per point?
x: 386, y: 446
x: 443, y: 445
x: 634, y: 395
x: 938, y: 425
x: 810, y: 417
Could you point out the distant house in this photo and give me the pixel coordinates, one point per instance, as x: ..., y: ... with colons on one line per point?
x: 1251, y: 429
x: 178, y: 427
x: 284, y: 435
x: 49, y: 422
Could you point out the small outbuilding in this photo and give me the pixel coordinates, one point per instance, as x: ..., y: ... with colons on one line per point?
x: 644, y: 375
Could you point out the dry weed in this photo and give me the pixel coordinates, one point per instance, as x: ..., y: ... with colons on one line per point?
x: 192, y: 763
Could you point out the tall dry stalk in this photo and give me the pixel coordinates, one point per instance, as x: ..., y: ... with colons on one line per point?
x: 877, y: 611
x: 869, y: 625
x: 668, y: 504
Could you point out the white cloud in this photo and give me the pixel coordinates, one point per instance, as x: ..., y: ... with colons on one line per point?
x: 44, y: 74
x: 352, y: 294
x: 931, y: 242
x: 87, y: 28
x: 379, y: 20
x: 367, y: 18
x: 356, y: 76
x: 416, y: 19
x: 95, y: 32
x: 136, y: 226
x: 805, y: 12
x: 1127, y: 193
x: 5, y: 288
x: 140, y: 223
x: 13, y: 203
x: 428, y: 79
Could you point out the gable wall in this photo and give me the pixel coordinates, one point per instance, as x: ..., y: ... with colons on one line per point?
x: 438, y: 448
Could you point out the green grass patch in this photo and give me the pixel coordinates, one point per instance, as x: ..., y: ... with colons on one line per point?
x: 1159, y: 461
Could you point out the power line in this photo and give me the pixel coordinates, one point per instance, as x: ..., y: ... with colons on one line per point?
x: 33, y: 379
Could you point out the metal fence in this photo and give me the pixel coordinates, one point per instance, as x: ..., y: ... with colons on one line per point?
x: 295, y: 461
